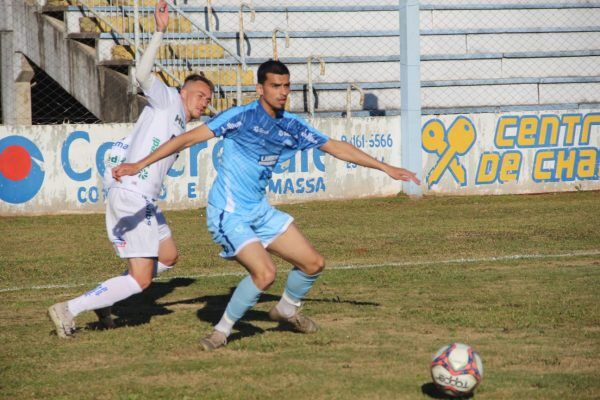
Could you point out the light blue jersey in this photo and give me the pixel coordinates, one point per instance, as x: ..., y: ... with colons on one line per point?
x: 253, y: 144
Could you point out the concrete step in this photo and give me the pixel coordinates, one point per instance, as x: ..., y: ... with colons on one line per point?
x: 220, y: 77
x: 172, y: 51
x: 126, y: 24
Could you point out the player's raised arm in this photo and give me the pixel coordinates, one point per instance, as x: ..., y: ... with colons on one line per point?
x: 347, y: 152
x: 183, y: 141
x: 144, y: 69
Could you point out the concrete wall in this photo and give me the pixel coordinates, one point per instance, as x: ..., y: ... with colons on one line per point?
x: 57, y: 169
x: 521, y: 152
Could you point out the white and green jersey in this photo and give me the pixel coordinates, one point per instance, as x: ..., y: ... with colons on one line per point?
x: 162, y: 120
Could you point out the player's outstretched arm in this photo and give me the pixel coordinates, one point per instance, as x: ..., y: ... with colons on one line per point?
x: 144, y: 69
x: 347, y: 152
x: 183, y: 141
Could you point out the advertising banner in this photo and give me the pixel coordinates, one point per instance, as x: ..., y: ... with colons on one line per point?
x: 58, y: 169
x: 511, y: 153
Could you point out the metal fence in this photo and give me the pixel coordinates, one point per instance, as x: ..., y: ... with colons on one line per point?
x: 72, y: 60
x: 493, y: 55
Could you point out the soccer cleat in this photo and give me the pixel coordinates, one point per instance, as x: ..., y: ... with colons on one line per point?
x: 105, y: 317
x: 299, y: 322
x: 214, y: 340
x: 63, y: 320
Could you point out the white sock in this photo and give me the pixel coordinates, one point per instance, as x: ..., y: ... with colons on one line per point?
x: 287, y: 307
x: 225, y: 325
x: 106, y: 294
x: 161, y: 268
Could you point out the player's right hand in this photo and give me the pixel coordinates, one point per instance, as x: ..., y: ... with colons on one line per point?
x: 124, y: 169
x: 161, y: 15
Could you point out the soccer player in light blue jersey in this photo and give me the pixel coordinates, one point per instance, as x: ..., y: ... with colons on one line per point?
x: 257, y: 137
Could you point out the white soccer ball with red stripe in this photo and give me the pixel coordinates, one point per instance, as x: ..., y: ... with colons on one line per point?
x: 456, y: 369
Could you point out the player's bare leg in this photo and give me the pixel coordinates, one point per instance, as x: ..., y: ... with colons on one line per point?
x: 308, y: 263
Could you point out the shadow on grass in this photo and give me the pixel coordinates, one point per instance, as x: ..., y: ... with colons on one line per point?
x: 216, y: 304
x: 140, y: 308
x: 432, y: 391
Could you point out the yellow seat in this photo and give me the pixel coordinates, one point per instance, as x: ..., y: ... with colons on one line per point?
x: 176, y: 24
x: 201, y: 50
x: 121, y: 24
x: 89, y: 3
x: 228, y: 76
x: 219, y: 77
x: 172, y: 51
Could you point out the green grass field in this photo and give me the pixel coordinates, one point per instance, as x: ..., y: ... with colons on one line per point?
x: 516, y: 277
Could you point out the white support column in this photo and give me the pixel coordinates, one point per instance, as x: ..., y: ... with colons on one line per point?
x: 23, y: 76
x: 16, y: 73
x: 7, y: 83
x: 410, y: 82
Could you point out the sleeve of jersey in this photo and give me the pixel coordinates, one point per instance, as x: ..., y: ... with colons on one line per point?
x: 160, y: 95
x: 307, y: 137
x: 228, y: 122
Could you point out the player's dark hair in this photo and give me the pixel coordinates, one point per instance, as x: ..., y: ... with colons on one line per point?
x: 271, y: 67
x: 199, y: 77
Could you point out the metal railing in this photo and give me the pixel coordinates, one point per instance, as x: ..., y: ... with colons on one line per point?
x: 188, y: 47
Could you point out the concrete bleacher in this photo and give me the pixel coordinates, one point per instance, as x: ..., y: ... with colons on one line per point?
x: 486, y: 55
x: 498, y: 54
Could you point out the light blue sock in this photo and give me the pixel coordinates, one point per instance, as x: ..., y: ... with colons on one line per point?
x: 244, y: 297
x: 298, y: 284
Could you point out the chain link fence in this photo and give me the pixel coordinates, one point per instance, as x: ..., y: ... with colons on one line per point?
x: 499, y: 55
x: 72, y: 60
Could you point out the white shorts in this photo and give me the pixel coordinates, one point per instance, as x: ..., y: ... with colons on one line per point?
x: 135, y: 224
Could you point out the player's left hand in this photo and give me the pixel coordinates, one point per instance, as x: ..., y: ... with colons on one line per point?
x: 402, y: 174
x: 124, y: 169
x: 161, y: 16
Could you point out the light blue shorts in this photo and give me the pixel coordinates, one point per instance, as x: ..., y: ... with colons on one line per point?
x: 233, y: 230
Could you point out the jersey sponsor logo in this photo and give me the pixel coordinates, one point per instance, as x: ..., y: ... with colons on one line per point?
x: 283, y: 133
x: 119, y: 144
x: 258, y: 129
x: 180, y: 121
x: 155, y: 144
x: 230, y: 126
x: 268, y: 161
x: 21, y: 169
x: 309, y: 136
x: 143, y: 174
x: 117, y: 154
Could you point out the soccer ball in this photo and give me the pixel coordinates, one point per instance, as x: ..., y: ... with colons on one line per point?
x: 456, y: 369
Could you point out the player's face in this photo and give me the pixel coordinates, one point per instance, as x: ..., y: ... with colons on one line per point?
x: 274, y: 92
x: 196, y: 96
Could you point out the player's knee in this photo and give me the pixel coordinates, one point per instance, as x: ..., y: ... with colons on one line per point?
x: 265, y: 278
x: 315, y: 266
x: 169, y: 260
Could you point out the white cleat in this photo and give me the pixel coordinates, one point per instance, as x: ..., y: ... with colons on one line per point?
x: 63, y: 320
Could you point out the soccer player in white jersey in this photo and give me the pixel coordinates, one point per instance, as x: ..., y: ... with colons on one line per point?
x: 257, y: 137
x: 135, y: 224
